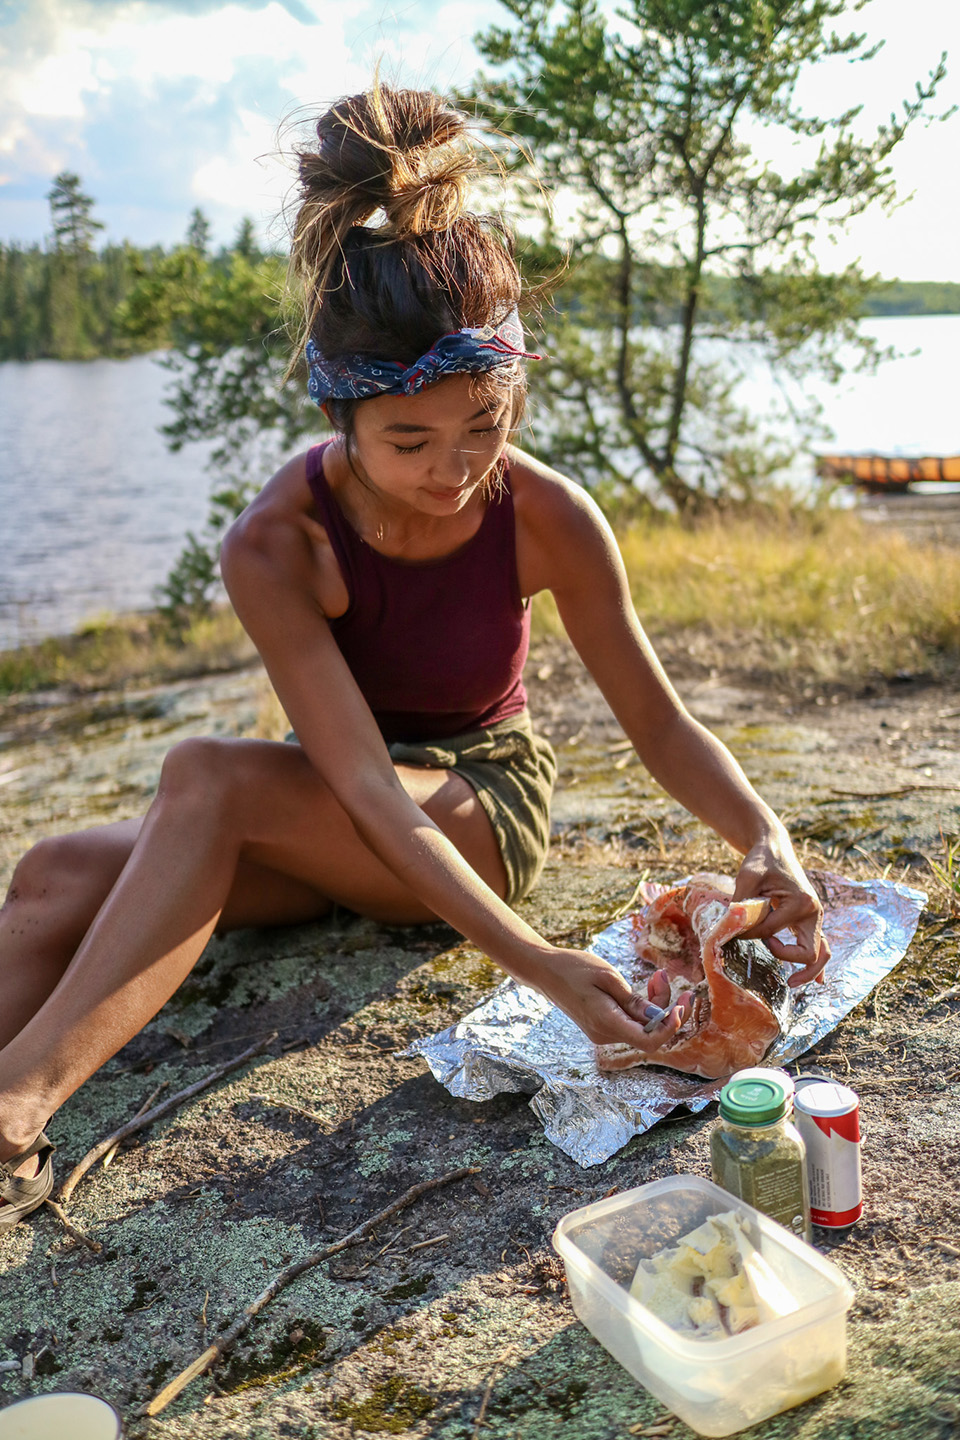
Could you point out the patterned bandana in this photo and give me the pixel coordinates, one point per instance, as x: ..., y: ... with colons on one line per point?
x: 469, y: 351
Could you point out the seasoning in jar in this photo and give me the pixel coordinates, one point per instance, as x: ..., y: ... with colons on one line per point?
x: 758, y: 1155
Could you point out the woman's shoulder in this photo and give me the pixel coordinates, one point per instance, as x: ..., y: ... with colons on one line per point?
x: 280, y: 530
x: 274, y: 510
x: 559, y: 526
x: 545, y: 493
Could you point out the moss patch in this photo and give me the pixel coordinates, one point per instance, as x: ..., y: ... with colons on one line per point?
x: 407, y: 1289
x: 300, y: 1349
x: 391, y: 1408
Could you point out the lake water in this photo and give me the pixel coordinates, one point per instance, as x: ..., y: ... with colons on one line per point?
x: 94, y: 509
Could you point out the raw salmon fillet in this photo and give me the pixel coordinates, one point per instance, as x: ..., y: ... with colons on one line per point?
x: 741, y: 1000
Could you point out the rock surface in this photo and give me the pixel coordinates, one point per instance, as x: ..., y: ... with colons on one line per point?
x: 456, y: 1310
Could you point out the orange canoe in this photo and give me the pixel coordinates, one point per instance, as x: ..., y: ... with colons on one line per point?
x: 888, y: 472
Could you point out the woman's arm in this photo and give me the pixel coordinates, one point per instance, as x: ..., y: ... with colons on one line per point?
x: 276, y: 567
x: 565, y: 545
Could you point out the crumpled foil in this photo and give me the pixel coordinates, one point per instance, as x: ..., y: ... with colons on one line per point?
x: 519, y: 1041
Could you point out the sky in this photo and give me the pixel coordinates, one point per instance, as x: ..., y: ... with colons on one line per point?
x: 163, y: 105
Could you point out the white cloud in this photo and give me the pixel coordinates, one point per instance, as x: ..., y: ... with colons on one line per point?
x: 247, y: 177
x: 66, y: 67
x: 163, y: 104
x: 58, y: 86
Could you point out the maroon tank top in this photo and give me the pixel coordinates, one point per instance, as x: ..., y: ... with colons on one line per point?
x: 437, y: 648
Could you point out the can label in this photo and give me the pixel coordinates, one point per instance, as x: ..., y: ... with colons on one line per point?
x: 828, y: 1118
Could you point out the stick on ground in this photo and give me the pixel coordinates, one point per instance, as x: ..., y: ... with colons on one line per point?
x: 110, y: 1156
x: 228, y: 1339
x: 498, y: 1366
x: 72, y: 1230
x: 141, y: 1122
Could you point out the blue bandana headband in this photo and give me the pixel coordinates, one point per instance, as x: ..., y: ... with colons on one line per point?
x: 468, y: 351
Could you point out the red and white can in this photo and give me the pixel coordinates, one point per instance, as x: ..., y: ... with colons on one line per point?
x: 828, y: 1117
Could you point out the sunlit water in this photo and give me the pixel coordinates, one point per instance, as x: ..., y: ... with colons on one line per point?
x: 94, y: 509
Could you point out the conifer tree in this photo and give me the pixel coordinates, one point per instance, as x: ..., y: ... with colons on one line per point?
x: 198, y: 231
x: 69, y: 308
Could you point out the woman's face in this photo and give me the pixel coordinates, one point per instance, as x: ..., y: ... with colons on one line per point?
x: 431, y: 452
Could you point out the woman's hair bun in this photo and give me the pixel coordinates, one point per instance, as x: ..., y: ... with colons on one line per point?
x: 430, y: 266
x: 398, y: 150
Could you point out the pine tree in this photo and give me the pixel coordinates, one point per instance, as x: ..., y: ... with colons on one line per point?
x: 245, y: 243
x: 644, y: 116
x: 198, y: 231
x: 69, y: 308
x: 73, y: 224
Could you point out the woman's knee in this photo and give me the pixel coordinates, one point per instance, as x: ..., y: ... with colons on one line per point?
x: 43, y: 869
x: 198, y: 769
x: 227, y: 782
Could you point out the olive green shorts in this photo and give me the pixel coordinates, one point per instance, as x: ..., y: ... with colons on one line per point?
x: 512, y: 770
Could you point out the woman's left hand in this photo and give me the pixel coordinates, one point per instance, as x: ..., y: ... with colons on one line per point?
x: 771, y: 871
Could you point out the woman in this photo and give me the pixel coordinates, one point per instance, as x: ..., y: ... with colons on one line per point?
x: 385, y: 580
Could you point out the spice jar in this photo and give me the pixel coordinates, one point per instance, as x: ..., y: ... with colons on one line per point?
x: 758, y: 1155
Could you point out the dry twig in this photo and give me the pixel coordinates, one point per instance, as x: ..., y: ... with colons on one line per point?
x: 111, y: 1154
x: 143, y: 1121
x: 422, y: 1244
x: 278, y: 1104
x: 950, y: 994
x: 72, y: 1230
x: 229, y: 1338
x: 889, y: 794
x: 498, y: 1366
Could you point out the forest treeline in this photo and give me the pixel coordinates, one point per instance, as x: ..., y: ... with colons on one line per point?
x: 66, y: 299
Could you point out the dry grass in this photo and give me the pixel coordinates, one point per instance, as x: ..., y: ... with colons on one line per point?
x: 814, y: 593
x: 124, y: 650
x: 806, y: 596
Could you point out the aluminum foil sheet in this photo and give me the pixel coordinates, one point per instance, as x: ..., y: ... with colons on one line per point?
x: 517, y: 1040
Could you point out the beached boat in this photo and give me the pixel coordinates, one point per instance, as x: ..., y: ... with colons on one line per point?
x: 889, y: 472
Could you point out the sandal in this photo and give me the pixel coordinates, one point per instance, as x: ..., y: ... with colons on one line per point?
x: 23, y: 1193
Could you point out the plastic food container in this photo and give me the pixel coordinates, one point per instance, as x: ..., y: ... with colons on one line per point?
x: 716, y: 1386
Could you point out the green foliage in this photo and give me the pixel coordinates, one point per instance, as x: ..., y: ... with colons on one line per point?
x: 221, y: 318
x: 948, y: 873
x: 198, y: 231
x: 61, y: 302
x: 918, y: 297
x: 679, y: 223
x: 70, y: 210
x: 131, y: 649
x: 192, y: 588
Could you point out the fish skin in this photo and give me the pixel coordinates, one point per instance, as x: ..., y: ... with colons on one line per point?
x: 742, y: 1001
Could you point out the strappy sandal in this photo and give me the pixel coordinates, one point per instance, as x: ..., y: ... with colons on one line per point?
x: 23, y: 1193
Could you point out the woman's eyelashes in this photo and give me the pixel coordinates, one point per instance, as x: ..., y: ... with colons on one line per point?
x: 495, y: 429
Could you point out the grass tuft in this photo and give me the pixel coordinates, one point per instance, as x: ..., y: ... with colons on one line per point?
x: 121, y: 650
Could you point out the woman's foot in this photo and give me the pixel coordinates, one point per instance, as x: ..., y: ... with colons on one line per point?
x: 26, y: 1179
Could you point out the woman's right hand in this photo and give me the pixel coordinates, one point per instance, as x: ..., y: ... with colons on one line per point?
x: 599, y: 1000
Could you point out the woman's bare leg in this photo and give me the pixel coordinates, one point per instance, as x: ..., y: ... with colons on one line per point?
x: 60, y: 885
x: 241, y: 833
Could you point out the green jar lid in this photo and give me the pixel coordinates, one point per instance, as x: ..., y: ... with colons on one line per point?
x: 753, y: 1102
